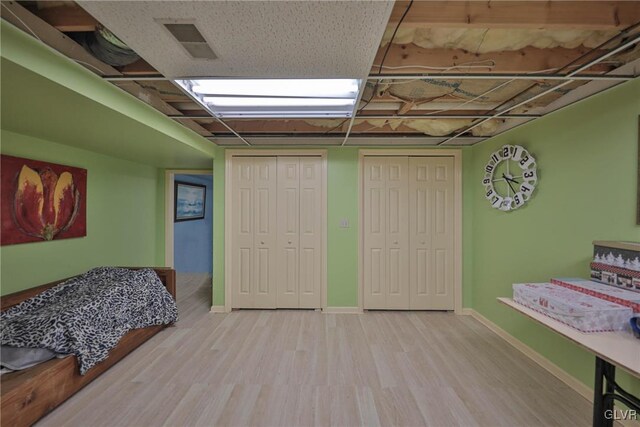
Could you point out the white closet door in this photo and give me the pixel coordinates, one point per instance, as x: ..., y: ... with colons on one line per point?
x: 265, y: 226
x: 431, y: 232
x: 242, y: 242
x: 397, y: 240
x: 288, y: 240
x: 375, y: 233
x: 386, y: 281
x: 311, y: 220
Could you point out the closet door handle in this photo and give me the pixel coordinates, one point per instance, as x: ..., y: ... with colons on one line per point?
x: 262, y: 243
x: 422, y: 243
x: 395, y: 243
x: 289, y: 242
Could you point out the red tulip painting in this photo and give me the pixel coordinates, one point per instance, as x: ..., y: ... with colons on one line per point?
x: 41, y: 201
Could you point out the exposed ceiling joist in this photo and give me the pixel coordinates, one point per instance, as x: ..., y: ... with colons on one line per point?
x: 582, y: 68
x: 410, y: 58
x: 68, y: 18
x: 498, y: 76
x: 596, y: 15
x: 388, y: 116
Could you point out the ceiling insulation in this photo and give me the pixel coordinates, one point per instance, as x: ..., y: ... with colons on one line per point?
x: 486, y: 40
x: 432, y: 127
x: 480, y: 91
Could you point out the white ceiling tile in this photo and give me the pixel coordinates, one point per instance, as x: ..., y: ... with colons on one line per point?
x: 253, y: 38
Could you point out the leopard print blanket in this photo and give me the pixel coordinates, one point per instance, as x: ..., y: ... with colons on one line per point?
x: 88, y: 314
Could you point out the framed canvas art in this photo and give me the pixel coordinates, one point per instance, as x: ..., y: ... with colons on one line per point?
x: 189, y: 201
x: 41, y: 201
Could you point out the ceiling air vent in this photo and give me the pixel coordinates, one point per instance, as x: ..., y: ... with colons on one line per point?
x: 191, y: 39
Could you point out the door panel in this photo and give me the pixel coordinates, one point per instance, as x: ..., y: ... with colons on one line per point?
x: 311, y: 221
x: 431, y: 213
x: 397, y: 238
x: 265, y: 258
x: 288, y: 232
x: 375, y: 233
x: 242, y: 244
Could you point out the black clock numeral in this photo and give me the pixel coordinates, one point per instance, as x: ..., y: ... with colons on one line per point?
x: 490, y: 193
x: 488, y: 168
x: 524, y: 160
x: 517, y: 152
x: 495, y: 158
x: 505, y: 152
x: 528, y: 174
x: 518, y: 199
x: 486, y: 181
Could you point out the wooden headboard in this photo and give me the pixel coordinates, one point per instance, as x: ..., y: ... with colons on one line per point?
x: 167, y: 277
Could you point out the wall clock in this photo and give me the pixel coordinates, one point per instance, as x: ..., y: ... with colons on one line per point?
x: 510, y: 177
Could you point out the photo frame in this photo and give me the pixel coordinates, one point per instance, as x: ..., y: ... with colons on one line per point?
x: 189, y: 201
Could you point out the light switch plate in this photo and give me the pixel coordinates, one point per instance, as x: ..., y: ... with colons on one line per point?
x: 344, y: 223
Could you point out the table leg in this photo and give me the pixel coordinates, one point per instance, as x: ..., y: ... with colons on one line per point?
x: 606, y: 391
x: 598, y: 394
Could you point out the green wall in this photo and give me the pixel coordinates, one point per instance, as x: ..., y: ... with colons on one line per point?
x: 587, y: 164
x: 123, y: 225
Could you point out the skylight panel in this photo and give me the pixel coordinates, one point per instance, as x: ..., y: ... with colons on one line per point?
x: 275, y: 98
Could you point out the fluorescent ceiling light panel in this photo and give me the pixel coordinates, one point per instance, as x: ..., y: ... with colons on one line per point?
x: 277, y: 102
x: 343, y: 88
x: 275, y: 98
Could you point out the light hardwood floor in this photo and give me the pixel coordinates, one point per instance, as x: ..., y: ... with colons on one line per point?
x: 305, y: 368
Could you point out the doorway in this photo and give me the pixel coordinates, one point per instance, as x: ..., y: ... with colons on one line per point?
x: 189, y: 229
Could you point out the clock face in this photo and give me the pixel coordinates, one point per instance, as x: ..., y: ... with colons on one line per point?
x: 510, y: 177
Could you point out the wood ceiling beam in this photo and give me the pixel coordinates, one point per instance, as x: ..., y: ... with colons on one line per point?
x: 300, y: 126
x: 594, y: 15
x: 19, y: 16
x: 526, y: 60
x: 68, y: 18
x: 139, y: 68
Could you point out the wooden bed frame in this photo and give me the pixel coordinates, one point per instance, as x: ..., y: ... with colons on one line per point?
x: 28, y: 395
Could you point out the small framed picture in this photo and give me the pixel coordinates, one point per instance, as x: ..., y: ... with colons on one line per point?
x: 189, y: 201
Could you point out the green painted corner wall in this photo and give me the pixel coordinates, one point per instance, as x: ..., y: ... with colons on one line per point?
x: 342, y: 243
x: 24, y: 50
x: 587, y: 161
x: 123, y: 224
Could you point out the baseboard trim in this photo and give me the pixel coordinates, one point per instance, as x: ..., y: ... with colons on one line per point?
x: 218, y: 309
x: 342, y: 310
x: 548, y: 365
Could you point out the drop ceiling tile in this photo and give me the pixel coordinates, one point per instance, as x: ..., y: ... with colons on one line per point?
x: 253, y: 38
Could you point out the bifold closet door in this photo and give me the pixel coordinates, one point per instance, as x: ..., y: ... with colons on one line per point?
x: 386, y: 234
x: 288, y: 246
x: 254, y: 235
x: 431, y: 232
x: 299, y: 242
x: 311, y: 220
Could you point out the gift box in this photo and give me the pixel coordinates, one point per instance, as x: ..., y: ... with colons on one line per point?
x: 606, y: 292
x: 617, y: 264
x: 583, y: 312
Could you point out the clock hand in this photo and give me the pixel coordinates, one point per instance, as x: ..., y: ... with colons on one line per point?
x: 509, y: 179
x: 514, y: 191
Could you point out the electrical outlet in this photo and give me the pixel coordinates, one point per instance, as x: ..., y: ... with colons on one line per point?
x: 344, y: 223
